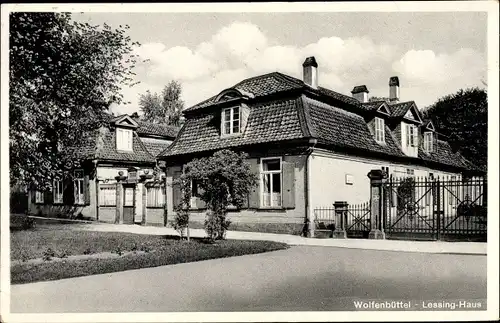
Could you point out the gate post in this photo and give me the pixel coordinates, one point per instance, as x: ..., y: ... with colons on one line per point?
x: 119, y: 197
x: 377, y: 178
x: 340, y: 220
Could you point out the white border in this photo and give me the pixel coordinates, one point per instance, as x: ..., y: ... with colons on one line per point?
x: 435, y: 6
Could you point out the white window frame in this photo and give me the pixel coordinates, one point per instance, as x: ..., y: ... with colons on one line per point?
x: 155, y: 196
x: 428, y: 141
x: 379, y: 130
x: 57, y: 189
x: 106, y: 198
x: 262, y: 186
x: 411, y: 135
x: 79, y: 189
x: 39, y: 197
x: 124, y: 139
x: 231, y: 121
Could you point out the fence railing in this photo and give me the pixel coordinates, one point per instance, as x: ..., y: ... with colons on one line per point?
x: 357, y: 219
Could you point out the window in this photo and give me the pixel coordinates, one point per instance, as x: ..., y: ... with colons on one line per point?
x: 379, y: 130
x: 194, y: 188
x: 156, y: 196
x: 411, y: 135
x: 39, y: 197
x: 428, y: 141
x: 271, y: 182
x: 58, y: 191
x: 107, y: 195
x: 231, y: 121
x: 410, y: 171
x: 79, y: 187
x: 123, y: 139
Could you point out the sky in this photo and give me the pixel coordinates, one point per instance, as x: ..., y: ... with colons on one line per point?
x: 433, y: 54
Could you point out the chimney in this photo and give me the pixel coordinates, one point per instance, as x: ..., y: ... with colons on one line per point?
x: 394, y: 89
x: 360, y: 93
x: 310, y: 69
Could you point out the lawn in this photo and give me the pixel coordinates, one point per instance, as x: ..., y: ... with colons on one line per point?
x: 59, y: 251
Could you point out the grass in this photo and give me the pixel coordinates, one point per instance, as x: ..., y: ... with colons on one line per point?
x: 160, y: 251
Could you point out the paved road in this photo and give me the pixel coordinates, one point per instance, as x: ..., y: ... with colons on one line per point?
x: 302, y: 278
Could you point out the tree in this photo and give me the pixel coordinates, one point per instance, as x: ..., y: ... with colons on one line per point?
x: 223, y: 179
x: 165, y: 107
x: 63, y: 77
x: 463, y: 116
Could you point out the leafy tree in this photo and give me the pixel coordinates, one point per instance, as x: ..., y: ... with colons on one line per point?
x: 165, y: 107
x: 223, y: 179
x: 63, y: 77
x: 464, y: 117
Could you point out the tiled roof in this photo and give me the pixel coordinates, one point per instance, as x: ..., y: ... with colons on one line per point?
x: 372, y: 106
x: 267, y: 122
x: 296, y: 115
x: 345, y: 129
x: 444, y: 154
x: 274, y: 83
x: 400, y: 109
x: 106, y: 149
x: 155, y: 148
x: 157, y: 129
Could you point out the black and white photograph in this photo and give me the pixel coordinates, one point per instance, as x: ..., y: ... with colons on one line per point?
x: 225, y: 162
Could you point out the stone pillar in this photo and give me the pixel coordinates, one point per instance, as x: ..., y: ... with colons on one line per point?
x: 377, y: 178
x: 143, y: 178
x: 119, y: 197
x: 340, y: 220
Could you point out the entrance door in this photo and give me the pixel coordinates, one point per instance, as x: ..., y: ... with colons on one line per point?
x: 128, y: 204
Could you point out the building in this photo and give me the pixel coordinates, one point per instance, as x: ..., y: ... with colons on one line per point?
x: 117, y: 182
x: 310, y: 145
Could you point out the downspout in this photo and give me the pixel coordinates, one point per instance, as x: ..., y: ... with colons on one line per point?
x: 309, y: 213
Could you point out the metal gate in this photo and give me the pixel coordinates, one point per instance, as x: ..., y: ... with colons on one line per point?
x: 435, y: 209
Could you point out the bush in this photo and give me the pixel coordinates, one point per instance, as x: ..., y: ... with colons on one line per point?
x: 28, y: 223
x: 48, y: 254
x: 216, y: 226
x: 87, y: 251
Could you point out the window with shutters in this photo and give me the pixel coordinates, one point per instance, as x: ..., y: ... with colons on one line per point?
x: 79, y: 186
x: 379, y: 130
x: 58, y: 191
x: 39, y: 197
x: 231, y: 121
x: 107, y: 195
x: 124, y: 139
x: 271, y: 182
x: 428, y: 142
x: 156, y: 196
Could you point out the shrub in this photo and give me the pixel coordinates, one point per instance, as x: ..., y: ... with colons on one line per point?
x: 87, y: 251
x: 48, y: 254
x: 28, y: 223
x: 118, y: 251
x: 63, y: 254
x: 216, y: 226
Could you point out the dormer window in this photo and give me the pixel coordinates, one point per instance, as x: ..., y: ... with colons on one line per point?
x: 231, y: 121
x: 379, y: 130
x: 428, y: 142
x: 123, y: 139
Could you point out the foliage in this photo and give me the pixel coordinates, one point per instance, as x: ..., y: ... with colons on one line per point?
x: 165, y: 107
x: 63, y: 77
x: 223, y: 179
x: 406, y: 194
x: 167, y: 252
x: 464, y: 117
x: 182, y: 210
x: 48, y: 254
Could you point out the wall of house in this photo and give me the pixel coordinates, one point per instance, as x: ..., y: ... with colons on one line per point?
x: 49, y: 209
x: 266, y: 220
x: 154, y: 216
x: 338, y: 177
